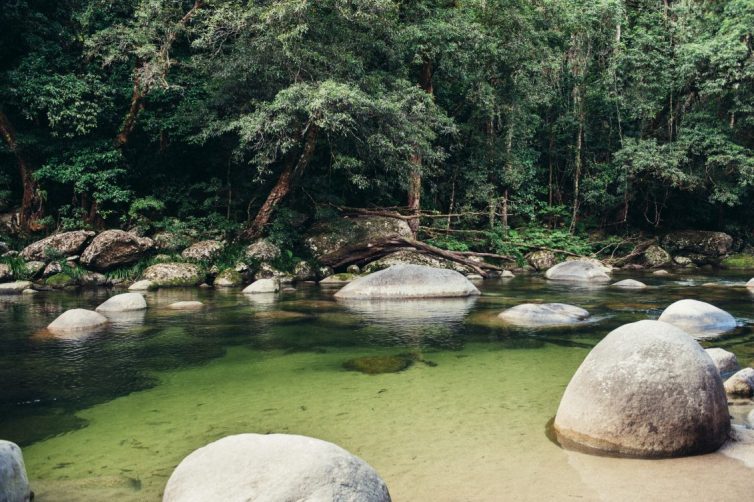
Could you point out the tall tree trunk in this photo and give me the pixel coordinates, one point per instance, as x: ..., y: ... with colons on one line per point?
x: 578, y: 102
x: 415, y: 179
x: 282, y: 187
x: 32, y: 205
x: 139, y: 92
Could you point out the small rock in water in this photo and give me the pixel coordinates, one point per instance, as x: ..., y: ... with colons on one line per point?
x: 29, y: 292
x: 474, y: 277
x: 188, y: 305
x: 725, y: 362
x: 741, y: 384
x: 14, y: 484
x: 661, y: 272
x: 581, y: 270
x: 124, y: 302
x: 507, y: 274
x: 274, y: 467
x: 143, y: 285
x: 263, y: 286
x: 374, y: 365
x: 630, y: 284
x: 77, y: 320
x: 14, y: 288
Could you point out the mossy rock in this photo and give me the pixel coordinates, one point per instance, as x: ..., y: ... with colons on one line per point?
x: 739, y: 261
x: 343, y: 278
x: 228, y: 278
x: 174, y: 274
x: 375, y: 365
x: 60, y: 281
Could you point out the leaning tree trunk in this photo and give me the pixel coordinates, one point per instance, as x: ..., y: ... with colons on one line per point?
x: 32, y: 205
x: 282, y: 186
x: 415, y: 178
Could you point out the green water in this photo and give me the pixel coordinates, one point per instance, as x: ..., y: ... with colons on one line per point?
x: 108, y: 417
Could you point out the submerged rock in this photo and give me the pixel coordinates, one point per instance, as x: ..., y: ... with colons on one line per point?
x: 112, y: 248
x: 14, y: 288
x: 14, y: 484
x: 543, y: 314
x: 646, y: 390
x: 124, y: 302
x: 174, y: 274
x: 274, y: 467
x: 579, y: 271
x: 375, y: 365
x: 741, y: 384
x: 263, y: 286
x: 186, y: 305
x: 57, y: 245
x: 725, y: 362
x: 409, y: 281
x: 630, y: 284
x: 77, y: 320
x: 699, y: 319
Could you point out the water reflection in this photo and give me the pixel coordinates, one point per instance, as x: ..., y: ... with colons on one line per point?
x: 412, y: 313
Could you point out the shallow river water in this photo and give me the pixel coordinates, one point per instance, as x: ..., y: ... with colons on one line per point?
x: 108, y: 417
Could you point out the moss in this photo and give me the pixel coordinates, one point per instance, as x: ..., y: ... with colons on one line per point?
x: 375, y: 365
x: 739, y: 261
x: 229, y: 277
x: 60, y: 281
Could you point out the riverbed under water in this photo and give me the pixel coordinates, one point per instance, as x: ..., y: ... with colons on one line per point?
x: 109, y: 416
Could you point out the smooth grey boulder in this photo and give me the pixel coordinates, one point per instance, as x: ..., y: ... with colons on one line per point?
x: 661, y: 272
x: 143, y: 285
x: 413, y: 257
x: 124, y: 302
x: 725, y: 362
x: 14, y: 288
x: 263, y: 286
x: 543, y: 314
x: 741, y: 384
x: 56, y: 245
x: 646, y: 390
x: 274, y: 468
x: 112, y: 248
x: 14, y: 484
x: 579, y: 271
x: 77, y: 320
x: 409, y: 281
x: 629, y: 284
x: 699, y: 319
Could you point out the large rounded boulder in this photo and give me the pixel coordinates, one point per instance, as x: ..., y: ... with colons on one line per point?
x: 125, y: 302
x: 275, y: 467
x: 203, y: 250
x: 702, y: 242
x: 112, y: 248
x: 165, y: 275
x: 699, y: 319
x: 591, y: 271
x: 543, y: 315
x: 57, y: 245
x: 14, y: 484
x: 408, y: 281
x: 646, y: 390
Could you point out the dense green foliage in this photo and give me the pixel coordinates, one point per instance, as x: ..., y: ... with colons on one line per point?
x: 521, y: 114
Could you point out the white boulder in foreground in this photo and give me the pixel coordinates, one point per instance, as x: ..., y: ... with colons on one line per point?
x: 741, y: 384
x: 699, y: 319
x: 579, y: 271
x: 272, y: 468
x: 725, y: 362
x: 543, y: 314
x: 646, y: 390
x: 263, y: 286
x: 187, y: 305
x: 77, y: 320
x: 408, y: 281
x: 629, y: 284
x: 125, y: 302
x: 14, y: 485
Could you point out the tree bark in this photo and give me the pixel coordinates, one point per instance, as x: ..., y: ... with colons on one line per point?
x: 282, y: 187
x: 415, y: 179
x: 579, y: 104
x: 32, y: 205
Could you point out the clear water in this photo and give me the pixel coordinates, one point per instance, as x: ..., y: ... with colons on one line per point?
x: 109, y: 416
